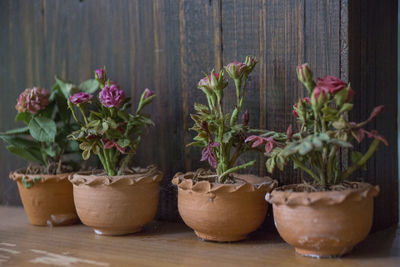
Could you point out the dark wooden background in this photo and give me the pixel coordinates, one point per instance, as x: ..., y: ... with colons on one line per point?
x: 166, y: 45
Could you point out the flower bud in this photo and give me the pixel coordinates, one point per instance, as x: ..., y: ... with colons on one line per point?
x: 100, y: 75
x: 251, y: 62
x: 147, y: 93
x: 304, y: 73
x: 246, y: 117
x: 236, y: 69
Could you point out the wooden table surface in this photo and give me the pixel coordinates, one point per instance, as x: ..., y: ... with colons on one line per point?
x: 166, y: 244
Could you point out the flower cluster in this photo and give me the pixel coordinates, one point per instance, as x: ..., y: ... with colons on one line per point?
x: 323, y: 131
x: 107, y: 129
x: 217, y: 136
x: 33, y: 100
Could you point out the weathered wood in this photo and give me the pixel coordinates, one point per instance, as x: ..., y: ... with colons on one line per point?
x: 166, y: 244
x: 167, y: 45
x: 373, y: 74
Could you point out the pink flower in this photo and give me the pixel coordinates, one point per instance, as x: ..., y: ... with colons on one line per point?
x: 269, y: 142
x: 147, y: 93
x: 33, y: 100
x: 111, y: 96
x: 236, y: 69
x: 100, y: 75
x: 108, y: 144
x: 80, y: 98
x: 208, y: 154
x: 331, y: 85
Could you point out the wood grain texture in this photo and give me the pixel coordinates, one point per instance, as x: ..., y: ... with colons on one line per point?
x: 167, y: 244
x: 167, y: 45
x: 373, y: 73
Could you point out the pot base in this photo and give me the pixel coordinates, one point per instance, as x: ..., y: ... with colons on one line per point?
x: 114, y: 232
x: 322, y: 253
x: 219, y: 238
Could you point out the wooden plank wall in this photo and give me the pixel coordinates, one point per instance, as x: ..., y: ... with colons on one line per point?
x: 167, y: 45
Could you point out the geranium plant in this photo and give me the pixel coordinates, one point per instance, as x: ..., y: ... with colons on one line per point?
x: 323, y: 131
x: 107, y: 129
x: 219, y: 133
x: 43, y: 140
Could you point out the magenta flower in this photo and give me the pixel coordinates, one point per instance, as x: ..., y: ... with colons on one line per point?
x: 100, y: 75
x: 269, y: 142
x: 111, y: 96
x: 331, y: 84
x: 147, y: 93
x: 108, y: 144
x: 236, y: 69
x: 80, y: 98
x: 33, y: 100
x: 246, y: 117
x: 208, y: 154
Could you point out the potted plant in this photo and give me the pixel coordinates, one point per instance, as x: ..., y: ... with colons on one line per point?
x: 117, y: 200
x: 328, y: 215
x: 221, y: 205
x: 43, y: 185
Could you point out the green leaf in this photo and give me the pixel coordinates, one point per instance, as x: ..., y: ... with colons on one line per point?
x: 62, y: 105
x: 316, y: 142
x: 341, y: 143
x: 20, y: 142
x: 124, y: 142
x: 16, y: 131
x: 24, y: 116
x: 346, y: 107
x: 227, y: 137
x: 66, y: 88
x: 86, y: 154
x: 42, y: 129
x: 198, y: 143
x: 50, y: 151
x: 89, y: 86
x: 305, y: 147
x: 25, y: 154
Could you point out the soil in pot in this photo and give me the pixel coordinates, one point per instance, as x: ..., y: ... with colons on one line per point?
x: 47, y: 198
x: 117, y: 205
x: 324, y: 223
x: 222, y: 212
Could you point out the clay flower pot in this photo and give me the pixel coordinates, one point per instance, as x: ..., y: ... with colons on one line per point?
x: 117, y: 205
x: 323, y: 224
x: 223, y: 212
x: 47, y: 199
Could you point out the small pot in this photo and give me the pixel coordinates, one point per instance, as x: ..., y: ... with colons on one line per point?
x: 47, y: 199
x: 117, y: 205
x: 323, y: 224
x: 223, y: 212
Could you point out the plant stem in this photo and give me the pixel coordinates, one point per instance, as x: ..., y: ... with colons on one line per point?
x: 306, y: 169
x: 371, y: 150
x: 221, y: 178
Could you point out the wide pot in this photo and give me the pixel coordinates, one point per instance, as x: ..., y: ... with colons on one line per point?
x: 47, y: 199
x: 222, y: 212
x: 117, y: 205
x: 323, y: 224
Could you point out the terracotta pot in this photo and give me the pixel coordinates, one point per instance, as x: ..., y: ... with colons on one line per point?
x: 47, y: 199
x: 223, y: 212
x: 323, y: 224
x: 117, y: 205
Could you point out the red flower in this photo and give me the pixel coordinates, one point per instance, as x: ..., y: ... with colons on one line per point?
x: 108, y: 144
x: 259, y: 140
x: 208, y: 154
x: 304, y: 73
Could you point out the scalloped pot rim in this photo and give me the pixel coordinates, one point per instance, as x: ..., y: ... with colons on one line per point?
x: 290, y: 198
x: 149, y: 174
x: 17, y: 175
x: 247, y: 182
